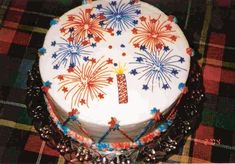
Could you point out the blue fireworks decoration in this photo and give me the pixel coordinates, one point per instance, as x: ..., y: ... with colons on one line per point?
x: 120, y: 15
x: 158, y: 67
x: 68, y: 54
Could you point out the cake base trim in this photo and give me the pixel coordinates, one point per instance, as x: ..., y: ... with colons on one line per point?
x: 160, y: 148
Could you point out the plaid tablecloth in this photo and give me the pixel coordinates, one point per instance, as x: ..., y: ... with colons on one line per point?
x: 209, y: 26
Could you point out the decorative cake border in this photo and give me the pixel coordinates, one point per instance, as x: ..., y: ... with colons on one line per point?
x: 159, y: 149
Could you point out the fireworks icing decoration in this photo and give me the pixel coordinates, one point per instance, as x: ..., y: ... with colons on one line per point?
x: 122, y: 84
x: 158, y: 67
x: 69, y: 53
x: 153, y: 33
x: 86, y: 82
x: 84, y: 26
x: 120, y: 15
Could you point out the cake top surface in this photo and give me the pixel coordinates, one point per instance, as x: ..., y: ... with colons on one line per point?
x: 119, y: 59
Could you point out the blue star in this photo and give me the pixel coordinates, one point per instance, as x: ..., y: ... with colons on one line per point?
x: 174, y: 72
x: 113, y: 3
x: 119, y: 32
x: 41, y: 51
x: 154, y: 110
x: 53, y: 22
x: 138, y: 12
x: 99, y: 7
x: 93, y: 45
x: 181, y: 60
x: 101, y: 23
x: 89, y: 36
x: 72, y: 65
x: 166, y: 48
x: 47, y: 84
x: 165, y: 86
x: 56, y: 66
x: 145, y: 87
x: 135, y: 22
x: 133, y: 72
x: 53, y: 43
x: 123, y: 46
x: 92, y: 16
x: 181, y: 86
x: 71, y: 29
x: 54, y: 55
x: 85, y: 58
x: 139, y: 59
x: 142, y: 47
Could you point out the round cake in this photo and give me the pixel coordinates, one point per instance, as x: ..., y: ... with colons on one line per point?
x: 113, y: 71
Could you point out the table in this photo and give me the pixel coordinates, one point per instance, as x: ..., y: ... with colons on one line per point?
x: 208, y: 26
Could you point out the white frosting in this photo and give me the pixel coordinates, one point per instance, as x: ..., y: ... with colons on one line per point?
x: 96, y: 114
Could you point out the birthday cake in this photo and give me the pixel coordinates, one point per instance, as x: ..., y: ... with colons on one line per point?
x: 113, y: 72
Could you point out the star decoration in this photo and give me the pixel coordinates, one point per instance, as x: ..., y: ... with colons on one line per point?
x: 154, y: 110
x: 153, y: 20
x: 53, y: 22
x: 89, y: 36
x: 98, y: 39
x: 93, y: 60
x: 122, y: 46
x: 174, y: 72
x: 99, y: 6
x: 139, y: 59
x: 85, y: 42
x: 73, y: 112
x: 54, y: 55
x: 165, y: 86
x: 92, y: 16
x: 101, y: 23
x: 93, y: 45
x: 143, y: 18
x: 101, y: 96
x: 119, y: 32
x: 113, y: 3
x: 138, y: 12
x: 82, y: 102
x: 70, y: 69
x: 134, y: 31
x: 110, y: 80
x: 173, y: 38
x: 143, y: 47
x: 135, y: 22
x: 62, y: 30
x: 71, y: 29
x: 134, y: 72
x: 53, y: 43
x: 145, y: 87
x: 60, y: 77
x: 65, y: 89
x: 56, y: 66
x: 168, y: 27
x: 110, y: 30
x: 159, y: 46
x: 70, y: 39
x: 70, y: 18
x: 137, y: 45
x: 170, y: 18
x: 166, y: 48
x: 85, y: 58
x: 181, y: 60
x: 110, y: 61
x: 41, y: 51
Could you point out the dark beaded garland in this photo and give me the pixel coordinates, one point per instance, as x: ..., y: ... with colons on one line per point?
x: 186, y: 120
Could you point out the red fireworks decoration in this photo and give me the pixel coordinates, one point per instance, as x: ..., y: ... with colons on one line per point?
x: 153, y: 33
x: 86, y: 82
x: 83, y: 25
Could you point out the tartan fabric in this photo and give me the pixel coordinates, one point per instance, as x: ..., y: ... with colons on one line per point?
x: 208, y: 25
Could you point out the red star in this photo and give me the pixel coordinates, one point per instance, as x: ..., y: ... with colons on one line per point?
x: 97, y: 39
x: 173, y: 38
x: 88, y: 11
x: 93, y: 60
x: 70, y: 69
x: 134, y: 31
x: 153, y: 20
x: 168, y: 27
x: 110, y: 61
x: 170, y: 18
x: 60, y: 77
x: 110, y: 80
x: 45, y: 89
x: 143, y: 18
x: 189, y: 51
x: 101, y: 16
x: 110, y: 30
x: 65, y: 89
x: 85, y: 42
x: 137, y: 45
x: 82, y: 102
x: 101, y: 96
x: 70, y: 39
x: 159, y: 46
x: 70, y: 18
x: 62, y: 30
x: 73, y: 112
